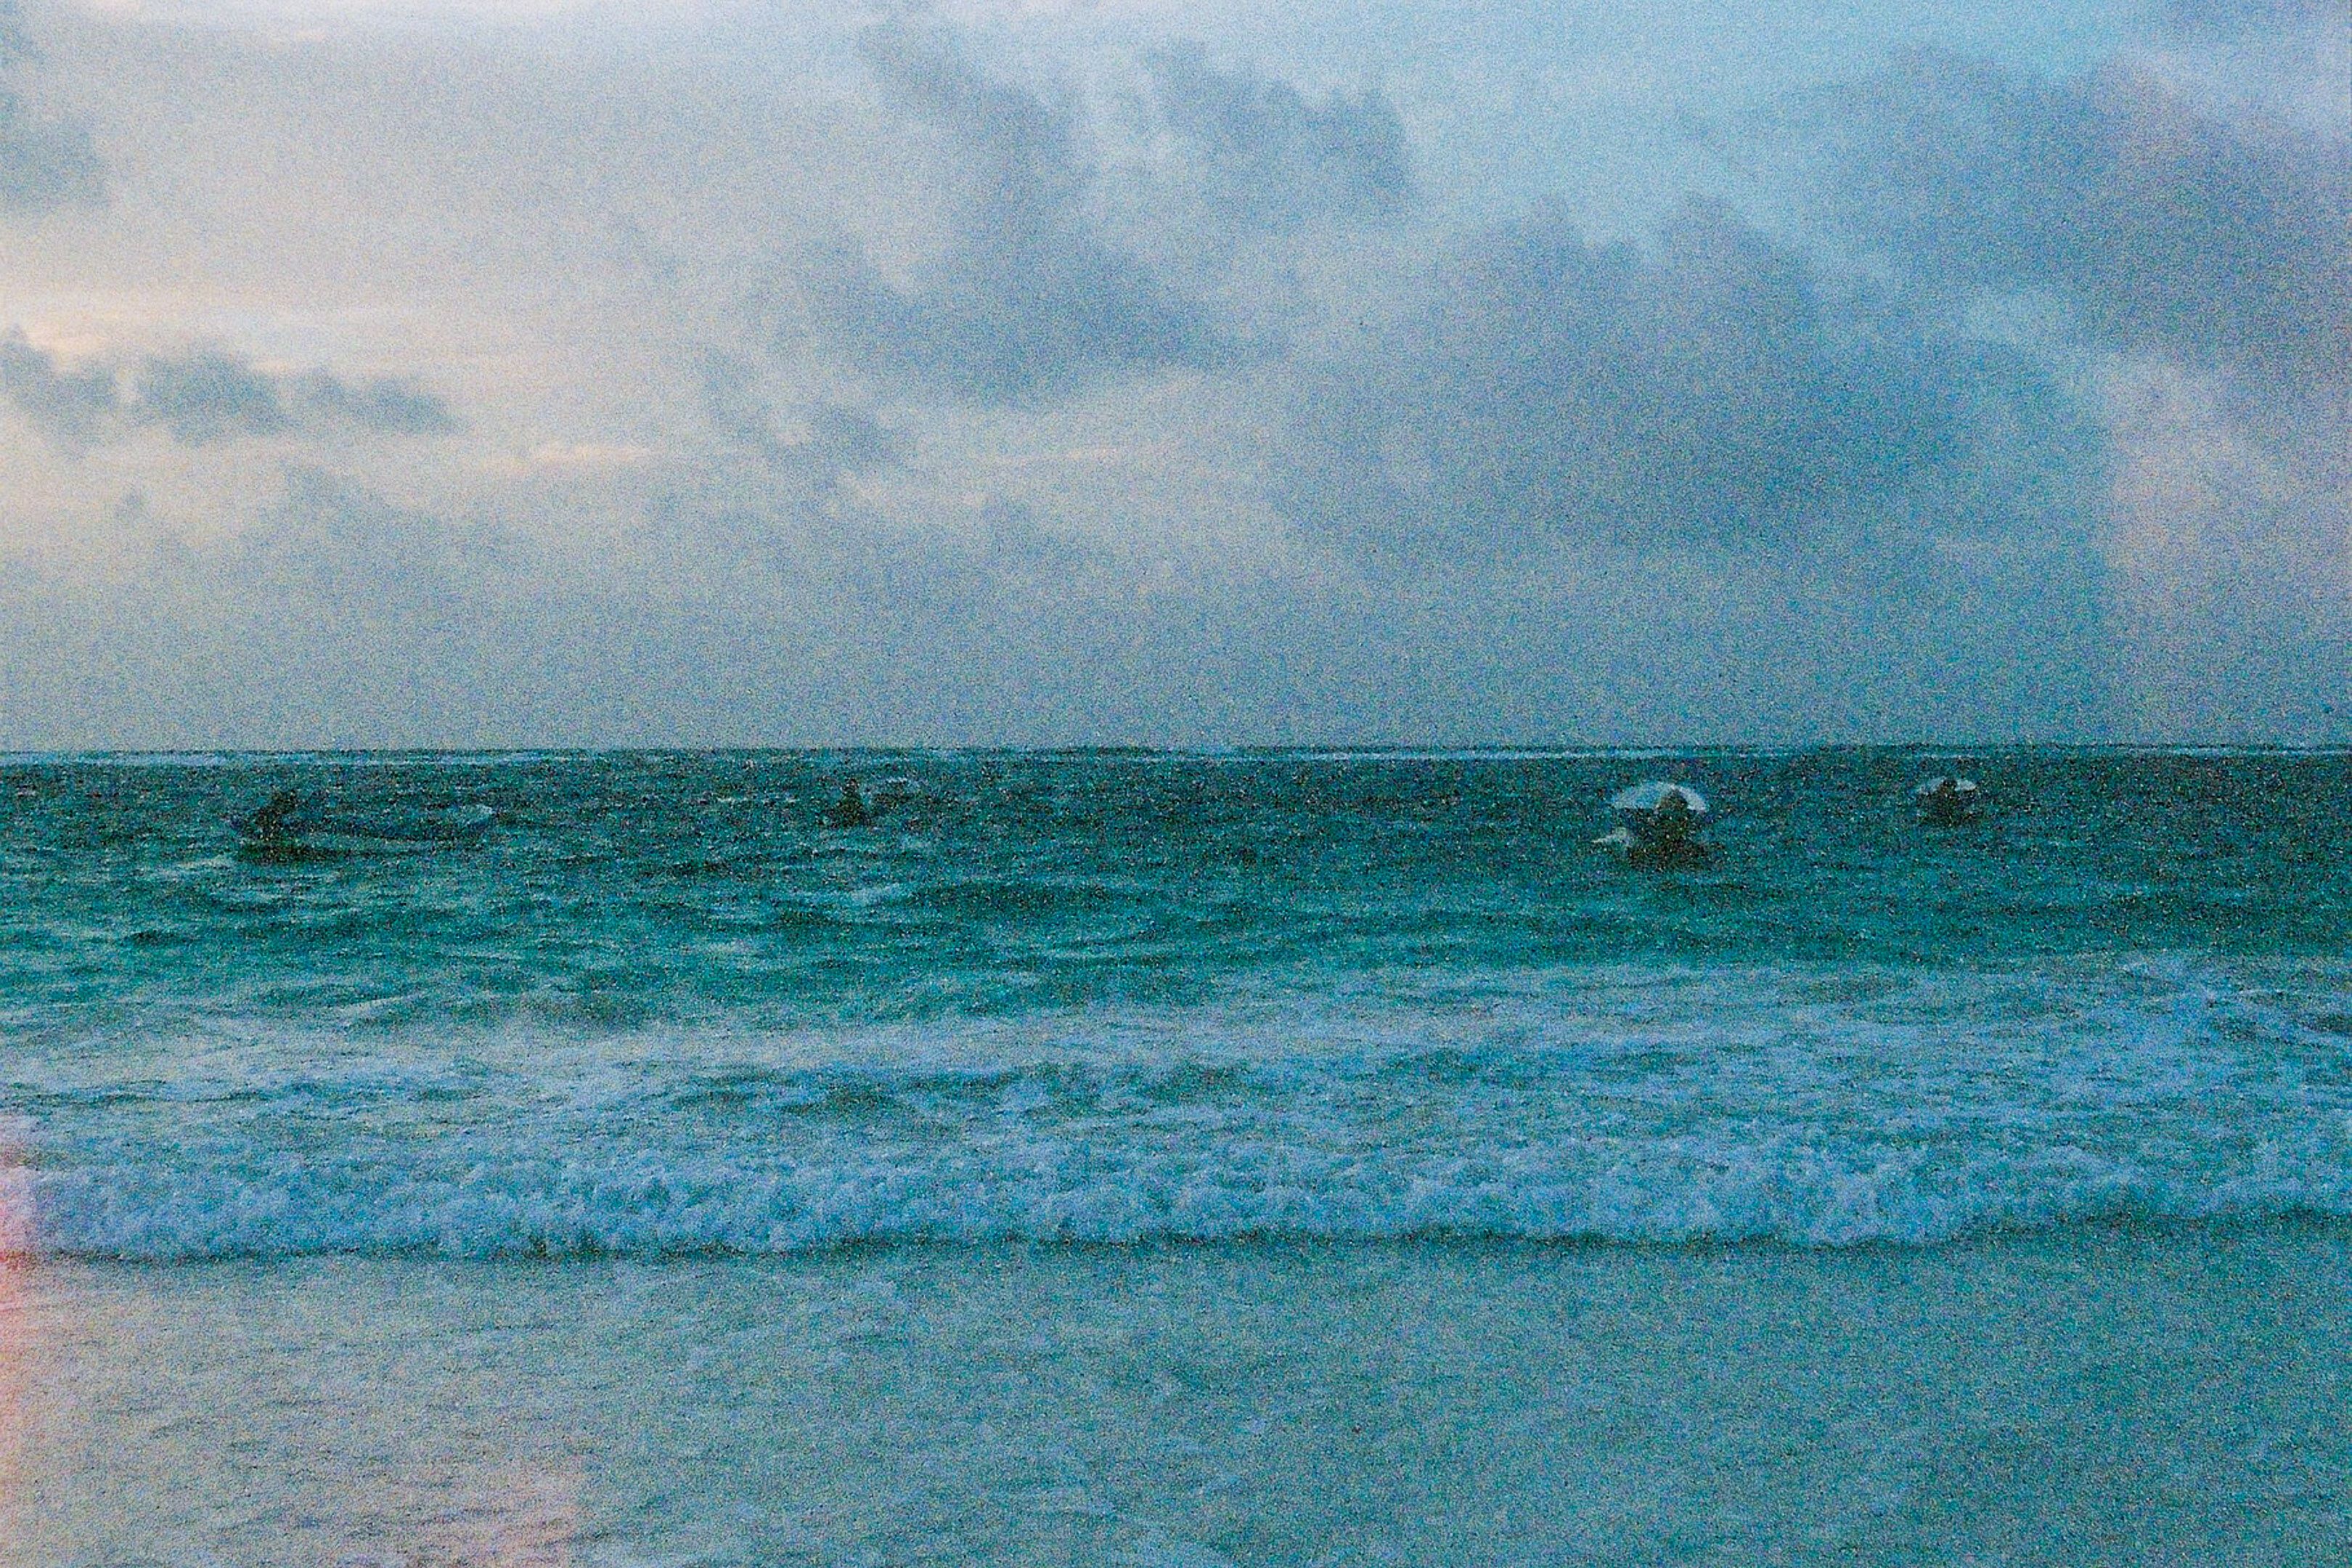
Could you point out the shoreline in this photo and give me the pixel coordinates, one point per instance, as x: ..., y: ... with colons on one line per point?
x: 1998, y: 1237
x: 2094, y: 1393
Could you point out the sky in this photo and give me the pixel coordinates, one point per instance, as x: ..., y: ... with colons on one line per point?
x: 523, y: 373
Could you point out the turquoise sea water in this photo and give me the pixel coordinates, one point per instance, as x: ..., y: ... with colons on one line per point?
x: 1184, y: 1161
x: 663, y: 1008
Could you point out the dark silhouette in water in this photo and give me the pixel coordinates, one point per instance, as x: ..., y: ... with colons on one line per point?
x: 271, y: 833
x: 1672, y: 836
x: 272, y: 828
x: 1672, y: 820
x: 850, y: 810
x: 1946, y: 801
x: 293, y: 825
x: 1661, y: 823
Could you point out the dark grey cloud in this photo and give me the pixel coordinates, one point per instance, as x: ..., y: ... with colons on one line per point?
x: 2227, y: 245
x: 385, y: 405
x: 1265, y: 156
x: 1702, y: 390
x: 206, y: 396
x: 336, y: 546
x: 1029, y: 296
x: 838, y: 440
x: 1695, y: 483
x: 72, y: 408
x: 339, y: 618
x: 340, y: 614
x: 1693, y: 487
x: 45, y: 163
x: 776, y: 518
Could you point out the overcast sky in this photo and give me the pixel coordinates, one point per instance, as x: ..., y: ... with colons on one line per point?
x: 523, y: 373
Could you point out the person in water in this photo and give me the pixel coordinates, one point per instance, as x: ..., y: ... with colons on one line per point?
x: 1671, y: 821
x: 850, y: 810
x: 273, y: 823
x: 1946, y: 803
x: 1667, y: 834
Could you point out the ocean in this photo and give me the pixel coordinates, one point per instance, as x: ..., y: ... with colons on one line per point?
x: 1264, y: 1157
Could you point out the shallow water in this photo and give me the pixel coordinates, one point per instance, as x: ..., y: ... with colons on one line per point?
x: 2087, y: 1396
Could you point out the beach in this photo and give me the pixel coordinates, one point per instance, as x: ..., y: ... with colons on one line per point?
x: 1052, y: 784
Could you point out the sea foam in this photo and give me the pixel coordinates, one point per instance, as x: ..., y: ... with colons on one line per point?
x: 1810, y: 1108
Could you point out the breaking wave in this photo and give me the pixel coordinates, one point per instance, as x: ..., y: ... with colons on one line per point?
x: 1819, y: 1108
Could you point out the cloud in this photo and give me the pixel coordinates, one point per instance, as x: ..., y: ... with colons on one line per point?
x: 738, y: 614
x: 835, y: 440
x: 340, y: 547
x: 1691, y: 485
x: 2161, y: 228
x: 1028, y: 297
x: 1264, y: 156
x: 1704, y: 390
x: 384, y: 405
x: 1415, y: 480
x: 2250, y: 15
x: 45, y: 163
x: 205, y: 397
x: 335, y: 614
x: 72, y: 408
x: 768, y: 515
x: 341, y: 617
x: 2191, y: 260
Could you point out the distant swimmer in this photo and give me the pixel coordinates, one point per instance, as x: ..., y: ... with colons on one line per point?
x: 276, y: 830
x: 850, y: 810
x: 1946, y: 800
x: 1660, y: 824
x: 273, y: 826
